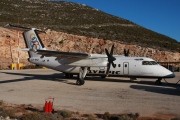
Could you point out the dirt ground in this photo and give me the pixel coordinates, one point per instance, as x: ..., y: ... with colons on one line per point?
x: 97, y: 95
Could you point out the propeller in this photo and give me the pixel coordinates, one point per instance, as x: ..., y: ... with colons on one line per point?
x: 110, y: 59
x: 126, y: 53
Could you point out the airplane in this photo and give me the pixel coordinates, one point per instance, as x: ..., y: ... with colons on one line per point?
x: 83, y: 64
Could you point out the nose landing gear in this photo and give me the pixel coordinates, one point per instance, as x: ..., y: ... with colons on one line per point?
x: 158, y: 82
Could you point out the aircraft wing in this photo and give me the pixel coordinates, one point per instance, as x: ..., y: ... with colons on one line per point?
x: 59, y: 54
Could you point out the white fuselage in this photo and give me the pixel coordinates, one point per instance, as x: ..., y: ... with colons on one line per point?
x: 125, y: 66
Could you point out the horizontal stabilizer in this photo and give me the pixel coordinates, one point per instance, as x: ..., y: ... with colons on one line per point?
x: 23, y: 49
x: 28, y: 49
x: 14, y: 27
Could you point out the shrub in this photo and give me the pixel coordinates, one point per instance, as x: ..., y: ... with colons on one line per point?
x: 32, y: 116
x: 61, y: 42
x: 91, y: 117
x: 8, y: 112
x: 1, y: 102
x: 106, y: 116
x: 65, y: 113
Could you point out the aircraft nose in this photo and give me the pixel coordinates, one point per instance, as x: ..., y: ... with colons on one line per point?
x: 170, y: 75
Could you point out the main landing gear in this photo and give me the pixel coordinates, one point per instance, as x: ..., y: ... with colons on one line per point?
x: 80, y: 81
x: 81, y: 76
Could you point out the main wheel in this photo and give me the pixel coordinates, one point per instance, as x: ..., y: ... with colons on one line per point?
x: 67, y: 75
x: 71, y: 75
x: 80, y: 82
x: 103, y: 76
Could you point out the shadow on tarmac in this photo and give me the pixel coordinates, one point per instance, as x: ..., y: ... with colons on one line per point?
x: 59, y: 77
x: 145, y: 85
x: 52, y: 77
x: 158, y: 89
x: 165, y: 88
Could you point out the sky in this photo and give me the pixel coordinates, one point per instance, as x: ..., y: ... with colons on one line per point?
x: 162, y: 16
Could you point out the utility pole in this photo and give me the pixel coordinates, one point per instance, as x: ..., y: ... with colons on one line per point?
x: 18, y: 48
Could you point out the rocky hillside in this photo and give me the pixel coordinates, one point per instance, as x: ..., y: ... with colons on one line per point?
x: 79, y: 19
x: 68, y: 42
x: 78, y: 28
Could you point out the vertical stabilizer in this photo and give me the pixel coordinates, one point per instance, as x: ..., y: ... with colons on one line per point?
x: 31, y: 38
x: 33, y: 42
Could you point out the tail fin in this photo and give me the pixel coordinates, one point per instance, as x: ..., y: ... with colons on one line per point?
x: 31, y: 38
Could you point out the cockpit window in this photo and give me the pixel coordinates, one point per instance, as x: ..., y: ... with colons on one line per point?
x: 154, y: 63
x: 146, y: 63
x: 149, y: 63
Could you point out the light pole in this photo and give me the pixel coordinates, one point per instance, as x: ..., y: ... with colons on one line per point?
x: 8, y: 36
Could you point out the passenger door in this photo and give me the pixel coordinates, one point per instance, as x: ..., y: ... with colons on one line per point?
x: 125, y: 68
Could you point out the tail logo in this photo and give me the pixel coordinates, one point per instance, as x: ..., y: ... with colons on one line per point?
x: 34, y: 42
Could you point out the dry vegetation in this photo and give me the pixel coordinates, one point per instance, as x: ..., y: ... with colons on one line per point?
x: 29, y: 112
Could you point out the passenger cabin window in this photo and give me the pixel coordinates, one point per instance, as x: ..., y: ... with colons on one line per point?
x: 119, y: 65
x: 149, y: 63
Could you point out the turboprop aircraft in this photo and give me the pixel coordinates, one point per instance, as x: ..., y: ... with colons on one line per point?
x: 83, y: 64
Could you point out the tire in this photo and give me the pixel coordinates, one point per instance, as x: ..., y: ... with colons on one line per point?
x: 80, y: 82
x: 103, y: 76
x: 158, y: 82
x: 67, y: 75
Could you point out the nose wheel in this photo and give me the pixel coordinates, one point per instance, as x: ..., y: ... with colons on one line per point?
x: 158, y: 82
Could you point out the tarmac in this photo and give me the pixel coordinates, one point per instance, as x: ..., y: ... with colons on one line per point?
x: 97, y: 95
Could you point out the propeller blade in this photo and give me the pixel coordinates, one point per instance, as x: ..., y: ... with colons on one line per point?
x: 108, y: 68
x: 112, y: 50
x: 107, y: 53
x: 126, y: 53
x: 110, y: 59
x: 113, y: 65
